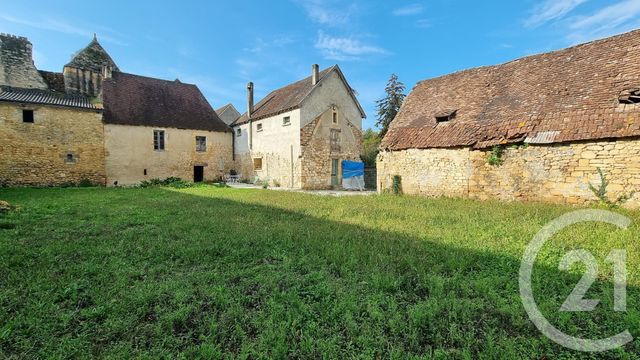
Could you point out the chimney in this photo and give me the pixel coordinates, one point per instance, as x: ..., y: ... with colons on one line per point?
x: 315, y: 74
x: 106, y: 72
x: 249, y: 99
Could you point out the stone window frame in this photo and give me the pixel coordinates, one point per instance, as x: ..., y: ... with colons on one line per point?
x: 159, y: 140
x: 334, y: 117
x: 31, y: 118
x: 257, y: 164
x: 201, y: 143
x: 286, y: 121
x: 259, y: 127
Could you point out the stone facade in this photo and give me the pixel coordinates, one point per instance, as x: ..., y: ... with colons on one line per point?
x: 558, y: 173
x: 16, y: 63
x: 62, y: 146
x: 294, y: 146
x: 131, y: 158
x: 318, y: 153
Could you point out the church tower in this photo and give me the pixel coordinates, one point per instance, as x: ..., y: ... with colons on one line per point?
x: 88, y: 68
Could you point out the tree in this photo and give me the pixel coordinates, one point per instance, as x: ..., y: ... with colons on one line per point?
x: 370, y: 143
x: 389, y: 106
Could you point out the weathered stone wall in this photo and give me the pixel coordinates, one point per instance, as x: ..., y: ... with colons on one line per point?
x: 82, y: 81
x: 317, y: 153
x: 432, y: 172
x: 555, y: 173
x: 130, y: 151
x: 277, y: 144
x: 16, y: 63
x: 36, y: 153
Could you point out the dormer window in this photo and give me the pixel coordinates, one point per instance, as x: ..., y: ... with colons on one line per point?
x: 446, y: 116
x: 630, y: 96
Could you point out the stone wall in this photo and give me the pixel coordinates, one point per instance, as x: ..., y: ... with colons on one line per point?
x: 36, y: 153
x: 556, y: 173
x: 317, y: 153
x: 277, y: 144
x: 16, y: 63
x: 131, y: 158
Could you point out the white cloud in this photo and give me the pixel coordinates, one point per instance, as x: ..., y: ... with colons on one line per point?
x: 413, y: 9
x: 328, y: 12
x: 344, y: 48
x: 260, y: 45
x: 551, y: 10
x: 60, y: 26
x: 606, y: 21
x: 423, y: 23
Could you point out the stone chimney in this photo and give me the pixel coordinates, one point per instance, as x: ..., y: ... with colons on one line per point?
x: 107, y: 71
x: 249, y: 99
x: 315, y: 74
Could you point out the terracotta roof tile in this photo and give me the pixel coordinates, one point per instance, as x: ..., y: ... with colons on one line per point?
x: 566, y: 95
x: 138, y: 100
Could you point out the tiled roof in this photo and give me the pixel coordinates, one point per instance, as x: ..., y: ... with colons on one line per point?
x: 46, y: 97
x: 569, y: 95
x: 93, y: 57
x: 290, y: 97
x: 54, y: 80
x: 228, y: 114
x: 138, y: 100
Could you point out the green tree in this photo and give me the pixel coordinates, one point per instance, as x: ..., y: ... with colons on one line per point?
x: 370, y: 143
x: 389, y: 106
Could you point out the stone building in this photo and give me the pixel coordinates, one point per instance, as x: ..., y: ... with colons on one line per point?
x: 47, y: 137
x: 537, y: 128
x: 93, y: 122
x: 297, y: 135
x: 156, y: 129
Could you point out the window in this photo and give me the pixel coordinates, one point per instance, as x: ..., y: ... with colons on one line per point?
x: 286, y: 121
x: 145, y: 172
x: 335, y: 117
x: 335, y: 140
x: 259, y: 127
x: 70, y: 158
x: 630, y: 96
x: 201, y: 143
x: 446, y: 116
x: 238, y: 132
x: 158, y: 140
x: 257, y: 163
x: 27, y: 116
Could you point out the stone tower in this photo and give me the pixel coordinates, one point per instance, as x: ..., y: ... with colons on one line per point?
x: 85, y: 72
x: 16, y: 63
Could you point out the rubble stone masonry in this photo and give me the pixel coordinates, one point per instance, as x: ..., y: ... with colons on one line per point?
x: 63, y: 145
x: 558, y: 173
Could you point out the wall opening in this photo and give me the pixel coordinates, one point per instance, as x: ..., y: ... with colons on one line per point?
x: 27, y: 116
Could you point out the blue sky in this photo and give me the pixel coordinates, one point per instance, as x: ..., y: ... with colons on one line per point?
x: 221, y: 45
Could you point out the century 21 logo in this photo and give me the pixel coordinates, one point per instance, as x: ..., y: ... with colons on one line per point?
x: 576, y: 301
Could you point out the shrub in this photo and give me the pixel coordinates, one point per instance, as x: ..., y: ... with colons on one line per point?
x: 174, y: 182
x: 600, y: 192
x: 85, y: 183
x: 495, y: 156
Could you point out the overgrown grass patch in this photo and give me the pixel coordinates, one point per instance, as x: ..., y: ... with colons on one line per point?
x: 225, y: 273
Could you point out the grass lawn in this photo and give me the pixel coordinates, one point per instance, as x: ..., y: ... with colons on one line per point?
x: 223, y: 273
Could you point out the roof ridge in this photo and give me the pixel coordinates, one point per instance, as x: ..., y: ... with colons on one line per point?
x: 154, y: 78
x: 552, y: 52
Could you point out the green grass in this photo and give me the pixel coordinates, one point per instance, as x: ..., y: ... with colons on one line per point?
x: 224, y: 273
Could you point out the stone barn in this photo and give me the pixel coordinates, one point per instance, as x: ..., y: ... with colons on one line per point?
x: 537, y: 128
